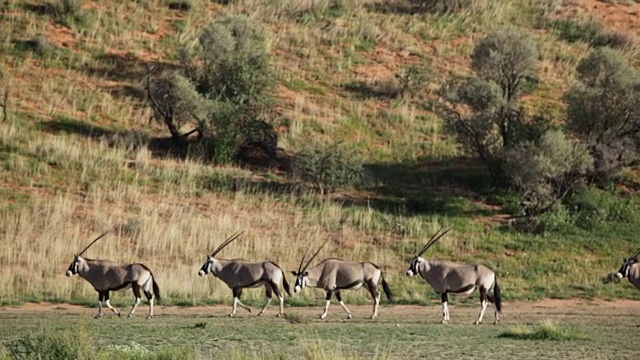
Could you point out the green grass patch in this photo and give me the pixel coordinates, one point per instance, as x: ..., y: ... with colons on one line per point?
x: 547, y: 330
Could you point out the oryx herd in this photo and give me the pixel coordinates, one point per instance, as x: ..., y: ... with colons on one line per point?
x: 331, y: 275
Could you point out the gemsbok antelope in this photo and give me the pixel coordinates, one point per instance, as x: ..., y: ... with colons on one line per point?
x: 334, y: 275
x: 631, y: 270
x: 448, y: 277
x: 239, y: 274
x: 106, y: 276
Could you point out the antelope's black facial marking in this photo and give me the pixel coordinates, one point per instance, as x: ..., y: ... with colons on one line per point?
x: 301, y: 280
x: 73, y: 268
x: 206, y: 267
x: 626, y: 266
x: 413, y: 267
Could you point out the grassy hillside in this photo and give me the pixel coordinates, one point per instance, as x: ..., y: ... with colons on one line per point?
x: 75, y: 160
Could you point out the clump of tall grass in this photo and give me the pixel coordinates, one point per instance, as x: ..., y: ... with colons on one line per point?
x: 546, y: 330
x: 53, y: 344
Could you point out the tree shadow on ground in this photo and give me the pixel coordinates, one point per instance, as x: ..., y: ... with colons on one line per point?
x: 128, y: 70
x: 181, y: 148
x: 159, y: 146
x: 406, y: 7
x: 453, y: 187
x: 364, y: 89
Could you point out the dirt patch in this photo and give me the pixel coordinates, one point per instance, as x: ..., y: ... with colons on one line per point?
x: 517, y: 307
x: 621, y: 16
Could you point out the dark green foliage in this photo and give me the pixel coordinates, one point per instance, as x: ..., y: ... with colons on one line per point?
x: 482, y: 112
x: 230, y: 64
x: 230, y: 68
x: 507, y: 57
x: 546, y: 170
x: 175, y: 102
x: 604, y: 110
x: 594, y: 208
x: 328, y: 167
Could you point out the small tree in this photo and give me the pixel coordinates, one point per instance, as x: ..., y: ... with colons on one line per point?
x: 483, y: 112
x: 175, y: 102
x: 604, y: 110
x: 230, y: 67
x: 547, y: 170
x: 328, y: 167
x: 507, y: 57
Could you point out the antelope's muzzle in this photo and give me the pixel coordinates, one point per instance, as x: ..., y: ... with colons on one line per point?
x: 201, y: 273
x: 69, y: 273
x: 409, y: 273
x: 297, y: 289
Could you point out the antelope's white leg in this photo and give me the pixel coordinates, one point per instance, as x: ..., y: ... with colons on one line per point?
x: 135, y: 306
x: 326, y: 310
x: 345, y: 309
x: 376, y: 304
x: 99, y: 315
x: 445, y: 312
x: 265, y: 306
x: 150, y: 308
x: 243, y: 305
x: 281, y: 313
x: 111, y: 307
x: 484, y: 307
x: 235, y: 304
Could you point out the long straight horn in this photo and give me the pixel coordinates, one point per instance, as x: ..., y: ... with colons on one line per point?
x: 93, y: 242
x: 433, y: 240
x: 302, y: 260
x: 226, y: 242
x: 314, y: 256
x: 636, y: 254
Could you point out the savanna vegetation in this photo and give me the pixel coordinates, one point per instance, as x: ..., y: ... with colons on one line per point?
x: 367, y: 123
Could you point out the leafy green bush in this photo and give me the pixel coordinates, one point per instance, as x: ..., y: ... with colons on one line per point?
x: 175, y: 102
x: 603, y: 111
x: 507, y: 57
x: 328, y: 167
x: 230, y: 67
x: 546, y: 171
x: 594, y: 207
x: 482, y: 112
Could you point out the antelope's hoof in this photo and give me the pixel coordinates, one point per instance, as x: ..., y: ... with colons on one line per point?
x: 260, y: 313
x: 280, y: 315
x: 322, y: 317
x: 373, y: 317
x: 119, y: 315
x: 97, y: 316
x: 349, y: 317
x: 150, y: 316
x: 445, y: 321
x: 477, y: 322
x: 232, y: 315
x: 249, y: 310
x: 129, y: 315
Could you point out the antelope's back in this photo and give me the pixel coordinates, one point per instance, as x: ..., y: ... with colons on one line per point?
x: 344, y: 272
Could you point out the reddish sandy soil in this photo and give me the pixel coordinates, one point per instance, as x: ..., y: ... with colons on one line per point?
x: 512, y: 309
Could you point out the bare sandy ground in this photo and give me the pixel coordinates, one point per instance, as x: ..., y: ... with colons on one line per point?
x: 511, y: 309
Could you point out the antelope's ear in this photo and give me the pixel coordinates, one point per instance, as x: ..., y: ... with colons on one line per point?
x: 306, y: 273
x: 295, y: 273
